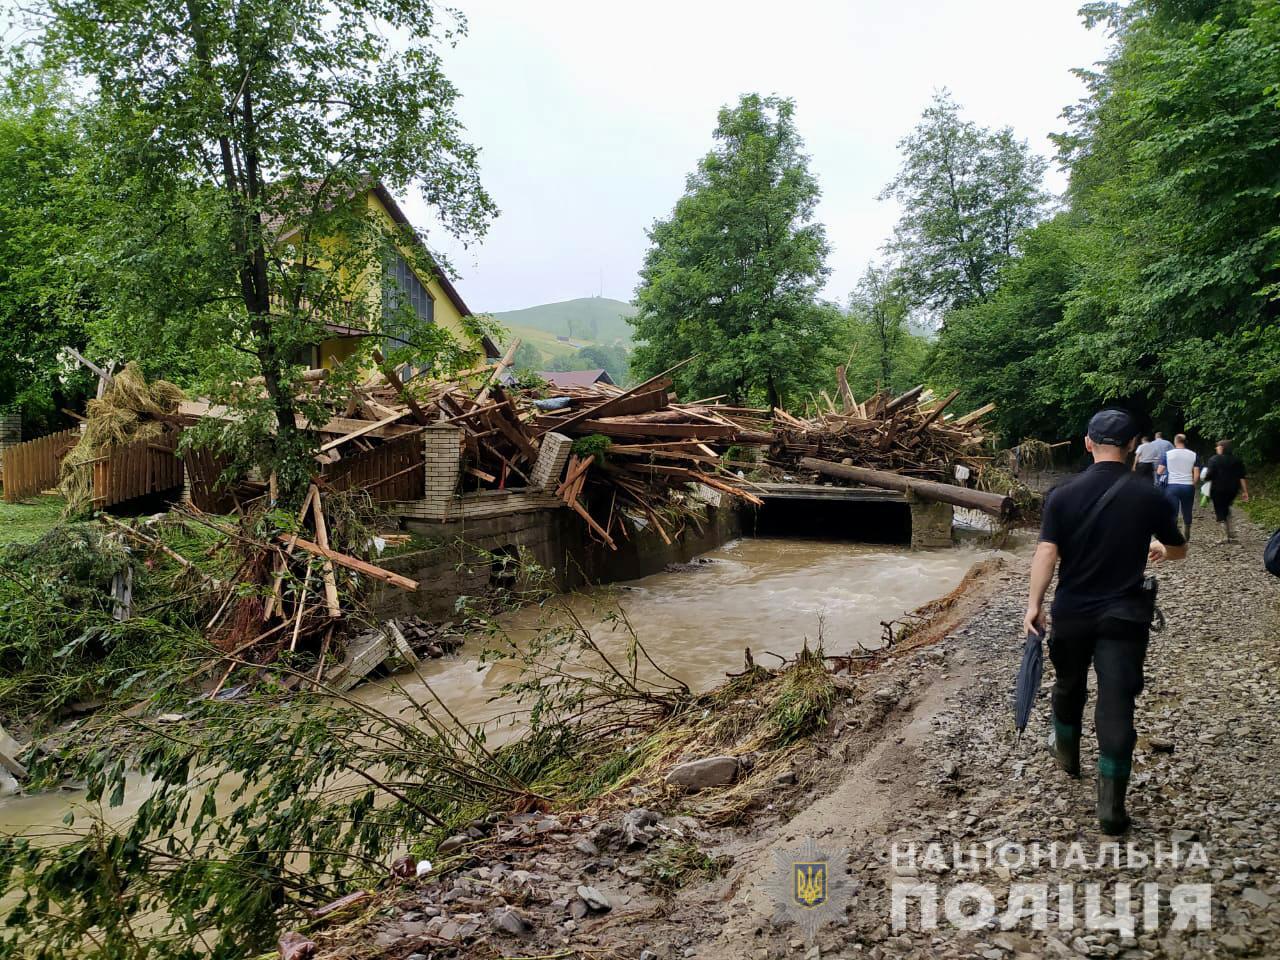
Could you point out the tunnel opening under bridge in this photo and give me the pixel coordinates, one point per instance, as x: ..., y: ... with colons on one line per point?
x: 866, y: 520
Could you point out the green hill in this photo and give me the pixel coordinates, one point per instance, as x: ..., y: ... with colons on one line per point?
x: 585, y: 320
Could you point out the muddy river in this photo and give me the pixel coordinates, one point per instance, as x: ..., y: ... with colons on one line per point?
x: 695, y: 621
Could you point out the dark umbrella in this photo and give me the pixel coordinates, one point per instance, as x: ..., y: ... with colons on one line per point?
x: 1028, y: 683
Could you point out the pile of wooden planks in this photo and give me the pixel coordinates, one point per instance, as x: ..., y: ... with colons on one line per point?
x: 911, y: 434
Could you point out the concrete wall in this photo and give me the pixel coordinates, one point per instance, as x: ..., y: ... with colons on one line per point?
x: 462, y: 556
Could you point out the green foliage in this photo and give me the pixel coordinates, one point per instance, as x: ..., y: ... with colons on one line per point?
x: 44, y: 299
x: 234, y: 142
x: 733, y: 274
x: 614, y: 358
x: 966, y: 194
x: 884, y: 353
x: 527, y: 358
x: 1158, y: 287
x: 593, y: 445
x: 803, y: 705
x: 59, y: 639
x: 1263, y: 507
x: 676, y: 864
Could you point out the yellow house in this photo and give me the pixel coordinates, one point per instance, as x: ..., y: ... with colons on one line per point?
x: 433, y: 298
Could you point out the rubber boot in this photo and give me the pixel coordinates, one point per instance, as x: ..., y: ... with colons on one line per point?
x: 1064, y: 744
x: 1225, y: 528
x: 1112, y: 817
x: 1187, y: 534
x: 1231, y: 533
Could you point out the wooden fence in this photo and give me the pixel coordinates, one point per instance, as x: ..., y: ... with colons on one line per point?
x: 135, y: 470
x: 32, y: 467
x: 394, y: 470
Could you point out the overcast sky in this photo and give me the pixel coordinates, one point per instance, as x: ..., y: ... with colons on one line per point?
x: 591, y: 113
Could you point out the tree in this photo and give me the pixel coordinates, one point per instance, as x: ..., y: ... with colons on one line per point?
x: 528, y: 357
x: 237, y: 133
x: 613, y: 358
x: 44, y: 300
x: 966, y: 193
x: 882, y: 347
x: 731, y: 277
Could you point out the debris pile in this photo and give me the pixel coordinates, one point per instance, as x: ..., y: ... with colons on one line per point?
x: 910, y: 434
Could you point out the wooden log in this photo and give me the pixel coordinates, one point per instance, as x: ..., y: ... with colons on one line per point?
x: 846, y: 395
x: 506, y: 361
x: 903, y: 400
x: 354, y: 563
x: 992, y: 503
x: 973, y: 415
x: 602, y: 410
x: 393, y: 378
x: 626, y: 428
x: 936, y: 412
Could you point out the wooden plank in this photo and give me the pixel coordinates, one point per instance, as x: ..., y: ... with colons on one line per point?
x: 353, y: 563
x: 623, y: 428
x: 322, y: 538
x: 936, y: 412
x: 973, y: 415
x: 602, y: 410
x: 507, y: 359
x: 362, y: 431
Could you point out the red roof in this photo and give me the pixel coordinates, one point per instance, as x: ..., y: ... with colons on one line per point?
x: 575, y: 378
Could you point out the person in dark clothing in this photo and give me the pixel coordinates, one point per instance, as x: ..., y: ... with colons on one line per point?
x: 1099, y: 616
x: 1226, y: 481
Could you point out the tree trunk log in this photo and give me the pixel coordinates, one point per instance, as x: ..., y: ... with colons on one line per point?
x: 992, y: 503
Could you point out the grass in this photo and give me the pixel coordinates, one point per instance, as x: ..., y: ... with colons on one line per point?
x: 29, y: 521
x: 1263, y: 507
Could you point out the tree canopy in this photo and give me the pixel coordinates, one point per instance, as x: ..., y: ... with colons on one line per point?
x: 732, y: 277
x: 1158, y: 286
x: 966, y: 194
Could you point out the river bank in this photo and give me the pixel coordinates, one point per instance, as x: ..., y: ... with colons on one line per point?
x: 920, y: 750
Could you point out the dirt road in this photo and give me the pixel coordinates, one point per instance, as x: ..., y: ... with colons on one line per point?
x: 949, y: 771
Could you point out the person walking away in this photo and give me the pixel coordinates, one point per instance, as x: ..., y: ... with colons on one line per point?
x: 1180, y: 467
x: 1227, y: 480
x: 1145, y: 459
x: 1100, y: 616
x: 1159, y: 447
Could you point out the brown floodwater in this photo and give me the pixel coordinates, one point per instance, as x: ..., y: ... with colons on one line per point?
x: 695, y: 621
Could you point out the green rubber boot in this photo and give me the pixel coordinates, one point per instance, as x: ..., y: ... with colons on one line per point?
x: 1113, y: 781
x: 1064, y: 744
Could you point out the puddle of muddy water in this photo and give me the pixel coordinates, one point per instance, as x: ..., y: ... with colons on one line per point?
x: 695, y: 621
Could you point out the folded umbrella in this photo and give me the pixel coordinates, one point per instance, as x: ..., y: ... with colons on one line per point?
x: 1027, y: 685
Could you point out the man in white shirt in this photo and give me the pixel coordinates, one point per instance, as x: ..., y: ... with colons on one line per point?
x: 1181, y: 470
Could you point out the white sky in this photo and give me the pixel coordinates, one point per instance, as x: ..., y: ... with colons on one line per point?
x: 590, y: 114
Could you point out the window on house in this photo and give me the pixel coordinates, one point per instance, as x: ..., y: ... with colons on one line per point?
x: 403, y: 288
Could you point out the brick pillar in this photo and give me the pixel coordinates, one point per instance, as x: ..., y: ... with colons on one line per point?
x: 552, y: 457
x: 930, y: 523
x: 444, y: 466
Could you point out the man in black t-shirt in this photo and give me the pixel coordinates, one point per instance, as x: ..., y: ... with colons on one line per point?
x: 1099, y: 617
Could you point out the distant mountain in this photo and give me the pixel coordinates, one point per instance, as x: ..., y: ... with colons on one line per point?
x: 585, y: 320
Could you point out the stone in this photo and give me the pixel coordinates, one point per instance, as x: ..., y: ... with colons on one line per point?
x: 510, y: 922
x: 1161, y: 744
x: 451, y: 844
x: 586, y: 846
x: 785, y: 778
x: 1256, y: 896
x: 634, y: 824
x: 594, y: 899
x: 886, y: 695
x: 704, y: 773
x: 578, y: 908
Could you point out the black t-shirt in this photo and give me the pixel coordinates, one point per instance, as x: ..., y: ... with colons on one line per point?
x: 1109, y: 564
x: 1226, y: 470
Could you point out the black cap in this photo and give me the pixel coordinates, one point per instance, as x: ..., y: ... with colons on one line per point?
x: 1112, y: 427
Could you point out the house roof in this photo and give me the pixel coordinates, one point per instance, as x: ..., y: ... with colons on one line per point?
x: 575, y: 378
